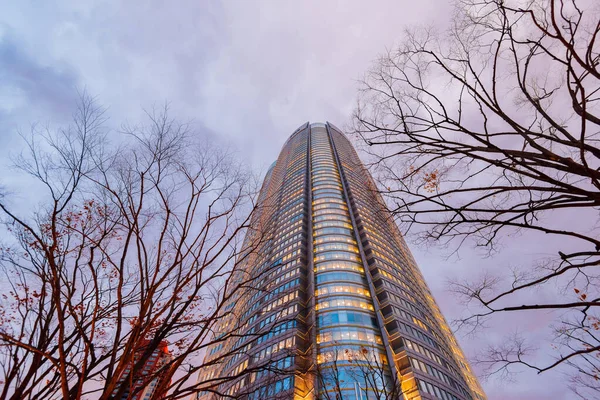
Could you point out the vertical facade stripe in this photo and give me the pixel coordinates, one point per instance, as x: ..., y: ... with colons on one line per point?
x: 395, y: 374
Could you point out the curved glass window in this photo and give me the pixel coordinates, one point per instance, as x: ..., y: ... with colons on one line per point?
x: 339, y: 265
x: 326, y: 195
x: 327, y: 185
x: 355, y: 353
x: 330, y: 190
x: 328, y: 210
x: 324, y: 203
x: 327, y: 177
x: 329, y: 224
x: 339, y: 277
x: 344, y: 302
x: 336, y: 246
x: 324, y: 168
x: 337, y: 289
x: 325, y: 180
x: 332, y: 173
x: 337, y: 255
x: 349, y: 333
x: 329, y: 201
x: 324, y: 165
x: 346, y: 317
x: 333, y: 231
x: 331, y: 217
x: 334, y: 208
x: 335, y: 238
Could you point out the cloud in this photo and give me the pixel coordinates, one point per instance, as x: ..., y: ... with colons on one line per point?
x: 26, y: 83
x: 249, y: 71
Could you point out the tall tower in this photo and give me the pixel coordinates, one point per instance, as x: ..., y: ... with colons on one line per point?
x: 146, y: 383
x: 340, y: 309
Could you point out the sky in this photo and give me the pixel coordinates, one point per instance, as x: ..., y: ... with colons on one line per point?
x: 246, y: 73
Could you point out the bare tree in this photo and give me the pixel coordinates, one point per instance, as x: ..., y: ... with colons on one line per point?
x: 491, y: 128
x: 131, y: 247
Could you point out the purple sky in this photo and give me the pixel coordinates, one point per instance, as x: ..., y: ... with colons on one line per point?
x: 247, y: 72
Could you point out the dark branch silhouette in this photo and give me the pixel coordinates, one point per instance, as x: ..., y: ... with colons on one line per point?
x: 490, y: 129
x: 130, y: 246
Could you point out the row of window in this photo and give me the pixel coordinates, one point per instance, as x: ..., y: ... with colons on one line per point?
x: 337, y: 255
x: 275, y: 348
x: 428, y: 369
x: 323, y: 237
x: 283, y: 277
x: 334, y: 190
x: 324, y: 202
x: 418, y: 334
x: 278, y: 272
x: 336, y: 247
x: 404, y: 282
x: 326, y: 195
x: 297, y: 201
x: 283, y: 251
x: 215, y: 349
x: 332, y: 224
x: 346, y: 317
x: 348, y: 334
x: 341, y: 289
x: 243, y: 365
x: 292, y: 191
x: 409, y: 305
x: 333, y: 231
x: 273, y: 293
x: 339, y: 265
x: 290, y: 237
x: 236, y: 387
x: 337, y: 186
x: 279, y: 329
x: 318, y: 182
x: 412, y: 318
x: 330, y: 217
x: 348, y: 276
x: 425, y: 352
x: 328, y: 204
x: 276, y: 303
x: 338, y: 302
x: 277, y: 316
x: 274, y: 367
x: 239, y: 353
x: 371, y: 355
x: 286, y: 212
x: 268, y: 391
x: 435, y: 391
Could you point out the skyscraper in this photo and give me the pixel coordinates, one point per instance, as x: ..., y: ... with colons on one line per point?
x: 340, y: 309
x: 145, y: 383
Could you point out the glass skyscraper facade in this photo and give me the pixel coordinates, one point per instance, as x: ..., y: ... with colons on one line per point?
x: 339, y: 308
x: 145, y: 384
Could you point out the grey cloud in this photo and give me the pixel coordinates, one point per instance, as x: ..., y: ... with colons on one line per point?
x: 52, y: 88
x: 248, y: 71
